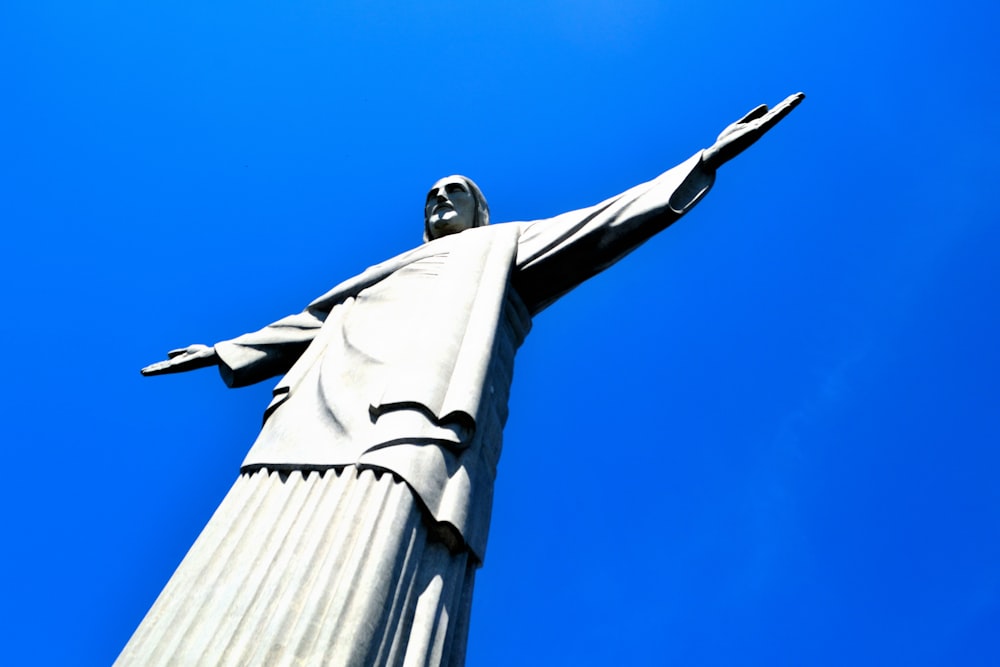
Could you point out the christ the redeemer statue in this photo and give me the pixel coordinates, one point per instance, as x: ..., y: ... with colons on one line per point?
x: 354, y: 531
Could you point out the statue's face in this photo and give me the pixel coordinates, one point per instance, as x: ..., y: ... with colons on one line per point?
x: 450, y: 208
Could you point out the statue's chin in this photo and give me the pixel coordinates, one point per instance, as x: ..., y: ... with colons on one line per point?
x: 445, y: 225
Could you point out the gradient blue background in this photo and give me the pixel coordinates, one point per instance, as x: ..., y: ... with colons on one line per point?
x: 768, y: 437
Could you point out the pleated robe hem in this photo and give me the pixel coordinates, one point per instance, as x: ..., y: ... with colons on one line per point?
x: 339, y: 567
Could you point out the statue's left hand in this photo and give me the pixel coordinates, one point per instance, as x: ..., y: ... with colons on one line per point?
x: 184, y: 359
x: 743, y: 133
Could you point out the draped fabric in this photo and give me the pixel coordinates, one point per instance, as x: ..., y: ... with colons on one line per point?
x: 405, y: 366
x: 353, y: 534
x: 338, y: 568
x: 438, y: 335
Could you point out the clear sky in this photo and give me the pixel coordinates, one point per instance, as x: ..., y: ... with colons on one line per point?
x: 768, y: 437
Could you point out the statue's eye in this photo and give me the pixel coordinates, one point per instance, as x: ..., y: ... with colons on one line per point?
x: 454, y: 187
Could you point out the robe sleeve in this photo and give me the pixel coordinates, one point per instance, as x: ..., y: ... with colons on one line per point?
x: 270, y: 351
x: 557, y: 254
x: 273, y: 350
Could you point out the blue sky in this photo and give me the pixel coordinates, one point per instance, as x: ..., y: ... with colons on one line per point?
x: 768, y: 437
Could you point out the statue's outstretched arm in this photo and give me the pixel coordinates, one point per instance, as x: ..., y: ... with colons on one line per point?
x: 251, y: 357
x: 557, y: 254
x: 184, y: 359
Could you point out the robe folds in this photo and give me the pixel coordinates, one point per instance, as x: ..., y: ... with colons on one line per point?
x: 407, y: 367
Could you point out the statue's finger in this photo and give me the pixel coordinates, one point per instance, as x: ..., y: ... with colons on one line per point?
x: 794, y: 99
x: 782, y: 109
x: 787, y: 104
x: 153, y: 369
x: 176, y: 353
x: 753, y: 114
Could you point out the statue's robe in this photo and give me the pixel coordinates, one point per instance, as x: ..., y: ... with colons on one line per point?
x: 406, y: 369
x: 408, y: 366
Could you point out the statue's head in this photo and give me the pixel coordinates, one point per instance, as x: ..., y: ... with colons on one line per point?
x: 453, y: 205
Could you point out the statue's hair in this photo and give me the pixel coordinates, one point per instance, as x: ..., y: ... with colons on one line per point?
x: 482, y: 217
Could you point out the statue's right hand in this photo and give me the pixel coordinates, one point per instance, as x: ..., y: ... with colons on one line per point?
x: 184, y: 359
x: 747, y: 130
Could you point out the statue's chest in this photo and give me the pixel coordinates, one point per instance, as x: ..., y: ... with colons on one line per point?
x: 386, y: 315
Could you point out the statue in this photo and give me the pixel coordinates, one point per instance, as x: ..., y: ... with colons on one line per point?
x: 361, y: 513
